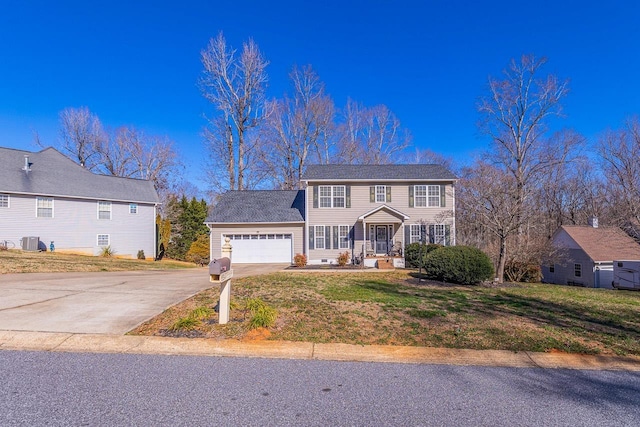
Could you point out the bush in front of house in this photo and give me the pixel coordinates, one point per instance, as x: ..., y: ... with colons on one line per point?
x: 300, y: 260
x: 199, y: 251
x: 465, y: 265
x: 412, y: 253
x: 343, y: 259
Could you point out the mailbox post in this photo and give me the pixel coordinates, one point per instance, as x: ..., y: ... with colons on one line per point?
x: 220, y: 272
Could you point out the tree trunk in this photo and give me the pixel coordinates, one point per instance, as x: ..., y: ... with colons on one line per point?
x: 502, y: 259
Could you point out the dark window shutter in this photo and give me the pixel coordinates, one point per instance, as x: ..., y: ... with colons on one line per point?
x: 335, y: 237
x: 432, y: 234
x: 388, y: 194
x: 315, y: 196
x: 347, y: 195
x: 411, y: 196
x: 447, y: 235
x: 327, y: 237
x: 407, y: 234
x: 372, y: 193
x: 443, y: 198
x: 311, y: 243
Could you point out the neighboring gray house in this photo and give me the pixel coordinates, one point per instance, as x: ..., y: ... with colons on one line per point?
x: 370, y: 211
x: 46, y: 195
x: 586, y: 255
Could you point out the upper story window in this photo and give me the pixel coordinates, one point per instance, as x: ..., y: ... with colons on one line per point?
x: 44, y: 207
x: 381, y: 193
x: 332, y: 196
x: 104, y: 210
x: 4, y: 200
x: 427, y: 196
x: 133, y: 208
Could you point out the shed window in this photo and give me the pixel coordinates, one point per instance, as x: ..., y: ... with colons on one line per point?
x: 577, y: 270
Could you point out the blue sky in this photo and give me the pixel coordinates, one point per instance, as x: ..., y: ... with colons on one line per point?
x: 137, y: 62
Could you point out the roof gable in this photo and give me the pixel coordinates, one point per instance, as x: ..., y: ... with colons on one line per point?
x: 603, y: 244
x: 418, y: 172
x: 53, y: 174
x: 258, y: 206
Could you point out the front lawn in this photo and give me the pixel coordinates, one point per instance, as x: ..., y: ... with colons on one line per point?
x: 17, y: 261
x: 393, y: 308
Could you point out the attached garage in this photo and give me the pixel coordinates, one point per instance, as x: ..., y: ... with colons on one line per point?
x: 261, y: 248
x: 263, y: 226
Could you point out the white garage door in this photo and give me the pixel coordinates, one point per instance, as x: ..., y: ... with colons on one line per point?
x: 260, y: 248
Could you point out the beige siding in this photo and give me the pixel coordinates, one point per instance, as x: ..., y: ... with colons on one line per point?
x: 361, y: 204
x: 219, y: 230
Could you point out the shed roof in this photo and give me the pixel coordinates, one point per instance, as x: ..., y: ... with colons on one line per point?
x: 418, y: 172
x: 604, y: 244
x: 53, y: 174
x: 258, y: 206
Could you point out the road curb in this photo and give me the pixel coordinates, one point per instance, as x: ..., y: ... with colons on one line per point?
x: 135, y: 344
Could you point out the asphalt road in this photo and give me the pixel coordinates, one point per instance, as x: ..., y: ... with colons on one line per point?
x: 41, y: 388
x: 99, y: 303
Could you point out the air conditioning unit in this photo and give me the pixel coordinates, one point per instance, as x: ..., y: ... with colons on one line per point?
x: 30, y: 243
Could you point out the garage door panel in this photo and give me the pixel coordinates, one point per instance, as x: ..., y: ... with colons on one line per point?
x: 263, y: 248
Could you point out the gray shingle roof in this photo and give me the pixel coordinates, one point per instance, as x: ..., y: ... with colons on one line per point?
x: 53, y: 174
x: 253, y: 206
x: 420, y: 172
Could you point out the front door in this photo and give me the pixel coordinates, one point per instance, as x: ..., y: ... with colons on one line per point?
x: 382, y: 239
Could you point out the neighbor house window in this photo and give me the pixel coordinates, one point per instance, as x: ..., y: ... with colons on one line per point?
x: 133, y: 208
x: 44, y: 207
x: 332, y: 196
x: 381, y: 193
x: 319, y: 236
x: 343, y: 236
x: 414, y: 233
x: 103, y: 240
x: 4, y: 200
x: 577, y: 270
x: 104, y: 210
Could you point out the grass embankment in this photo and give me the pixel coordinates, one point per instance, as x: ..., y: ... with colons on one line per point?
x: 16, y: 261
x: 393, y: 308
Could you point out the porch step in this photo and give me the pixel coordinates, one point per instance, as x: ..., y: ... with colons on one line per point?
x: 385, y: 264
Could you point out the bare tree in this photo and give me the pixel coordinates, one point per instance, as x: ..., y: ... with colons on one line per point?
x: 620, y: 151
x: 296, y: 127
x: 371, y: 135
x: 81, y: 133
x: 515, y: 115
x: 236, y: 87
x: 430, y: 157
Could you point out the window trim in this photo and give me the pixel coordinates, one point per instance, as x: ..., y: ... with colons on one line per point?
x: 7, y: 199
x: 343, y: 239
x: 98, y: 240
x: 105, y: 203
x: 381, y: 190
x: 331, y: 196
x: 133, y: 211
x: 577, y: 270
x: 38, y: 207
x: 315, y: 236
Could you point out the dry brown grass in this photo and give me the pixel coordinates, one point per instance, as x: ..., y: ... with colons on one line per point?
x: 393, y: 308
x: 16, y: 261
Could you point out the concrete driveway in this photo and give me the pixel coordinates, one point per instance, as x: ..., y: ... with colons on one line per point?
x: 100, y: 303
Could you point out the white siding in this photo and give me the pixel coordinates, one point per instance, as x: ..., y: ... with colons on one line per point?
x: 75, y: 226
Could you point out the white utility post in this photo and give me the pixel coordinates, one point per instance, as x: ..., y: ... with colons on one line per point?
x: 220, y: 271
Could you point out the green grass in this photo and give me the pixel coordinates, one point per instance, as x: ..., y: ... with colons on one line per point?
x: 393, y: 308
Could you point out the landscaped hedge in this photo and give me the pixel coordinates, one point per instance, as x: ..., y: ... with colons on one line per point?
x: 465, y: 265
x: 412, y: 253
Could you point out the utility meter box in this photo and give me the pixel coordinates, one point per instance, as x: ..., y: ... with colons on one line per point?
x: 220, y: 270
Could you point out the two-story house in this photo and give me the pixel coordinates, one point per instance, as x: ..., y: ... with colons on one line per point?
x: 47, y: 196
x: 370, y: 211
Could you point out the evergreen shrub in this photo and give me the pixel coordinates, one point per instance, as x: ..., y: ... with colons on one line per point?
x: 464, y: 265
